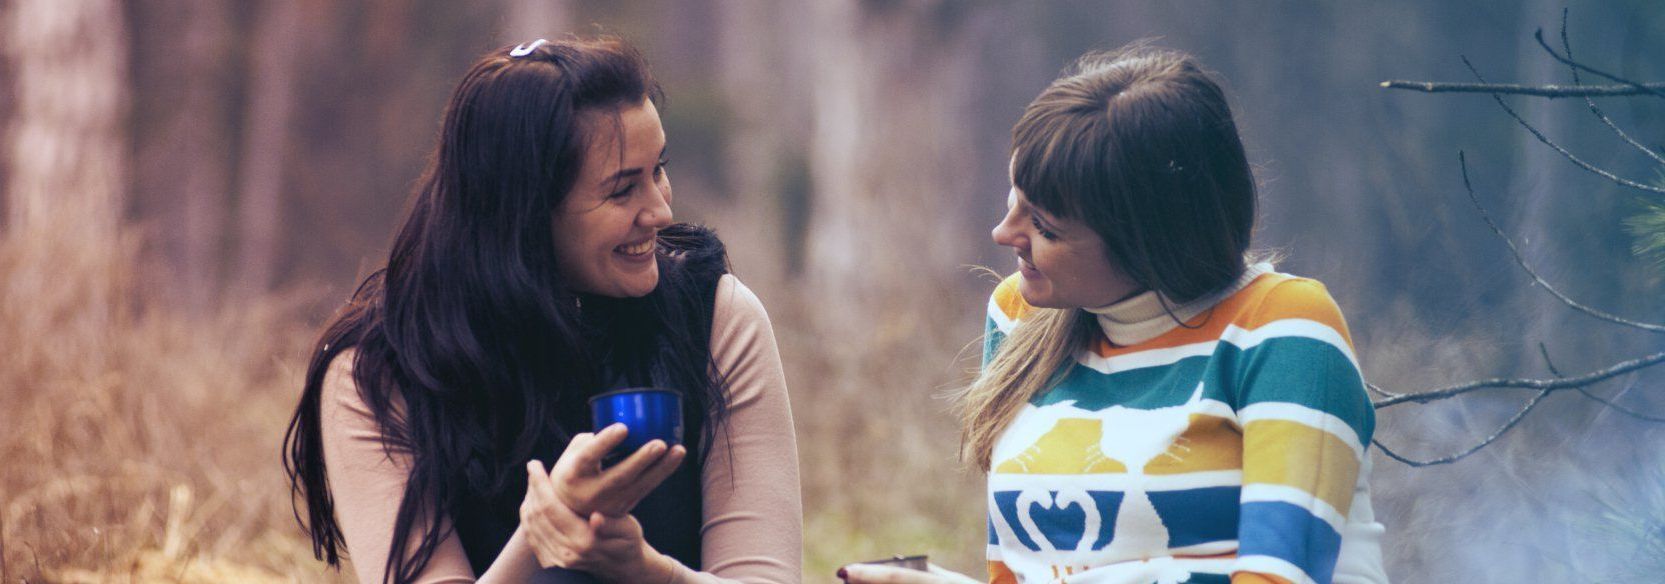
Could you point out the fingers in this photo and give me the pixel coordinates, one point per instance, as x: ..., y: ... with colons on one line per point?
x: 627, y: 471
x: 585, y: 450
x: 538, y: 483
x: 539, y: 533
x: 660, y: 471
x: 549, y: 522
x: 874, y: 574
x: 632, y: 480
x: 951, y: 577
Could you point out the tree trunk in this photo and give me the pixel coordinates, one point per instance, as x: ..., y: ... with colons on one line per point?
x: 63, y: 148
x: 182, y: 147
x: 278, y: 38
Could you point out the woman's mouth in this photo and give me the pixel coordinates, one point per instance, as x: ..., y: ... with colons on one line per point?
x: 639, y: 249
x: 1027, y: 268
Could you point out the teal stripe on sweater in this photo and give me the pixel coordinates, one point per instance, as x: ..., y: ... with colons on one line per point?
x: 1296, y: 370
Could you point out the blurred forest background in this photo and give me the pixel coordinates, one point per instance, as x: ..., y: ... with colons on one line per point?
x: 190, y: 187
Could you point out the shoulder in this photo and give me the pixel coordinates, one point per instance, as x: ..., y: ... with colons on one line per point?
x: 1006, y: 304
x: 338, y: 377
x: 1276, y: 297
x: 341, y: 402
x: 736, y: 307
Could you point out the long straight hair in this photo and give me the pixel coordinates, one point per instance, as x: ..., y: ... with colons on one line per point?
x: 471, y: 351
x: 1140, y: 145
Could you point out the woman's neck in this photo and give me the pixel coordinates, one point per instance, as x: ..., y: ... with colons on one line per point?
x: 1146, y: 315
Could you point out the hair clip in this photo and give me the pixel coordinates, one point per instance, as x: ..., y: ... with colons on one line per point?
x: 525, y: 49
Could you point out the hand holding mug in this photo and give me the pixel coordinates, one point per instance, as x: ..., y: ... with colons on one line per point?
x: 582, y: 484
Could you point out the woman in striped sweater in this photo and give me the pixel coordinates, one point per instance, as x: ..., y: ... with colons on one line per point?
x: 1153, y: 406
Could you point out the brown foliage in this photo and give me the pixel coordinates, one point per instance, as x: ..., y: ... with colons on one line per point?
x: 138, y: 444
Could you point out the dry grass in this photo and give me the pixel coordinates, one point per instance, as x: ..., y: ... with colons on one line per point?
x: 137, y: 444
x: 876, y: 440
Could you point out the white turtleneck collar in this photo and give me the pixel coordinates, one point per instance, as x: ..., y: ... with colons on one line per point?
x: 1142, y: 317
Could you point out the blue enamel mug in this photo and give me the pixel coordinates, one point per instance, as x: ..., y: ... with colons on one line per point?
x: 649, y: 413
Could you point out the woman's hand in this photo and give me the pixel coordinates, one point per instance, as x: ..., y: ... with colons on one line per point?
x: 584, y: 486
x: 609, y: 547
x: 877, y: 574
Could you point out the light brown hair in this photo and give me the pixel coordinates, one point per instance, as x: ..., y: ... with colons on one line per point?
x: 1139, y: 144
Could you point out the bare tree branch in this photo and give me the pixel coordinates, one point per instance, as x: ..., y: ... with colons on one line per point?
x: 1512, y: 422
x: 1544, y: 387
x: 1567, y: 46
x: 1642, y: 88
x: 1507, y: 426
x: 1602, y: 400
x: 1587, y: 379
x: 1569, y: 156
x: 1462, y: 160
x: 1550, y: 91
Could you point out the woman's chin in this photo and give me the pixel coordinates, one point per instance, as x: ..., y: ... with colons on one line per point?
x: 1036, y: 294
x: 639, y: 285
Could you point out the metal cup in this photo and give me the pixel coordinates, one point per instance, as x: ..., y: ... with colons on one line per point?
x: 649, y: 413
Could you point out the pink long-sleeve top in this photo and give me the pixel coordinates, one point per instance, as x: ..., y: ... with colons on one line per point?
x: 752, y: 526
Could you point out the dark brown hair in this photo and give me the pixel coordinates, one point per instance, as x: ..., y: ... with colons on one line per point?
x: 470, y: 348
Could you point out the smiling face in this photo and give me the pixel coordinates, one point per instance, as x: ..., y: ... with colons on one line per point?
x: 606, y: 231
x: 1062, y: 263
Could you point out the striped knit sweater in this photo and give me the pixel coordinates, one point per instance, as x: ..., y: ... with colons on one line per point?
x: 1228, y: 450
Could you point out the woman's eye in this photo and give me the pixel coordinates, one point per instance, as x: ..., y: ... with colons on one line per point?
x: 625, y: 192
x: 659, y: 169
x: 1047, y: 233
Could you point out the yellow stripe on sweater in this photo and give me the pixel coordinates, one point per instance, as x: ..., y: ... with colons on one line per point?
x: 1070, y: 447
x: 1281, y: 452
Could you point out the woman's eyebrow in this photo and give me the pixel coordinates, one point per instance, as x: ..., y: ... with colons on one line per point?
x: 634, y: 171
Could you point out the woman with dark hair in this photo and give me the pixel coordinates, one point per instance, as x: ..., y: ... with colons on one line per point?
x: 539, y: 266
x: 1154, y: 405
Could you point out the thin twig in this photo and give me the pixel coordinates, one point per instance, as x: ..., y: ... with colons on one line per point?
x: 1642, y: 88
x: 1591, y: 378
x: 1569, y: 156
x: 1621, y: 409
x: 1377, y: 389
x: 1550, y: 91
x: 1604, y: 401
x: 1567, y: 46
x: 1462, y: 161
x: 1548, y: 364
x: 1507, y: 426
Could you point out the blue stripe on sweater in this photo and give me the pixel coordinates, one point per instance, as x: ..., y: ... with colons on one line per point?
x: 1290, y: 533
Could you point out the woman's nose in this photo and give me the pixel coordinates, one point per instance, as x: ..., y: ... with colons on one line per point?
x: 658, y: 212
x: 1005, y: 232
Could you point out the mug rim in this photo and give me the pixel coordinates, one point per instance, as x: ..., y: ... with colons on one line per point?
x: 627, y: 390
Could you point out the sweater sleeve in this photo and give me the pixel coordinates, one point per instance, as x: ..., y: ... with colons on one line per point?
x: 1306, y: 421
x: 368, y: 480
x: 753, y: 512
